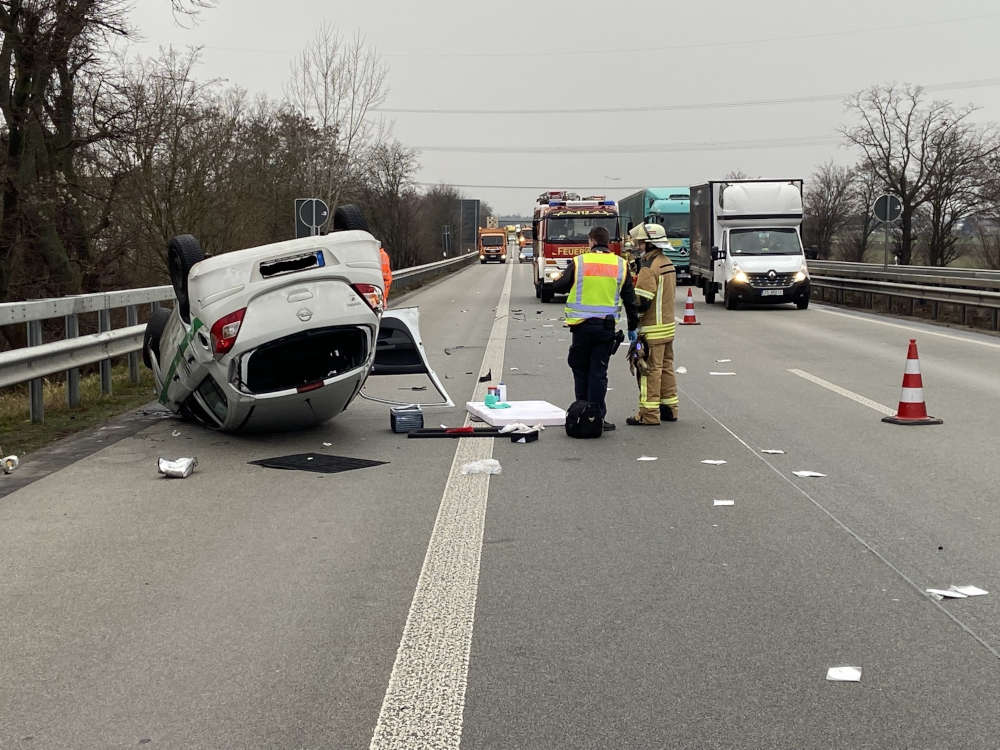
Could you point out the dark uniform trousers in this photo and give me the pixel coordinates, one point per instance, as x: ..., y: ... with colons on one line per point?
x: 589, y: 355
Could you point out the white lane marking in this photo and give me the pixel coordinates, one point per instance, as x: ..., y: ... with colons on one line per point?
x: 880, y: 408
x: 857, y: 537
x: 963, y: 339
x: 425, y: 699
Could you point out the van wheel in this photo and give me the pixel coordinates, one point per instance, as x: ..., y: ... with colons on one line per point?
x: 349, y: 217
x: 151, y: 338
x: 802, y: 304
x: 709, y: 292
x: 730, y: 299
x: 182, y: 254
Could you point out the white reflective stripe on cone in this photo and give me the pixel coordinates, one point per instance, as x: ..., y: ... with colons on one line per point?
x: 912, y: 367
x: 912, y: 396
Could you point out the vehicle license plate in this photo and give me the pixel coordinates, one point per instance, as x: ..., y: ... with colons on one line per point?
x: 772, y: 292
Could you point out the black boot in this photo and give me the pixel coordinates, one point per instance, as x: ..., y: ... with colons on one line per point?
x: 667, y: 414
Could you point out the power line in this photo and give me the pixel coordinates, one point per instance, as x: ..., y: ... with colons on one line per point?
x: 776, y: 101
x: 656, y: 148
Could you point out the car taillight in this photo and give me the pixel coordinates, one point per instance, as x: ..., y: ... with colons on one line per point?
x: 225, y: 330
x: 372, y: 295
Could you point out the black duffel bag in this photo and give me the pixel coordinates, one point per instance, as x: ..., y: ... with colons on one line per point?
x: 583, y: 420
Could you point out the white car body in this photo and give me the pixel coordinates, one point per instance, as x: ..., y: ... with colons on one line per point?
x: 306, y: 342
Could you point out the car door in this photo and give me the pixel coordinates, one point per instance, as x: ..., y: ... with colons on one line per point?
x: 399, y: 350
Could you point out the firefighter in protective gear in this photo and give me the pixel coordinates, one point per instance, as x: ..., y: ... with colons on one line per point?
x: 655, y: 286
x: 598, y: 285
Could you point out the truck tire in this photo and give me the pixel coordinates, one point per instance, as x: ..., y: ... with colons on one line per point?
x: 731, y: 302
x: 709, y: 292
x: 349, y: 217
x: 182, y: 253
x: 546, y: 294
x: 151, y: 338
x: 538, y: 290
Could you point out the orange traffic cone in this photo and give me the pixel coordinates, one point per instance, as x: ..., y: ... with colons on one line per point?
x: 912, y: 409
x: 689, y: 319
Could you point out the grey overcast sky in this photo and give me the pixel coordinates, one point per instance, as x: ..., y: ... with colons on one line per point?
x: 461, y: 55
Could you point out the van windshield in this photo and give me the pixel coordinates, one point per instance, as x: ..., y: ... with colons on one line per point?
x: 764, y: 242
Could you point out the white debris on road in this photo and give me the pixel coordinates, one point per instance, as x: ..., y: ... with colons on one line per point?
x: 647, y: 458
x: 773, y: 451
x: 713, y: 461
x: 327, y: 445
x: 483, y: 466
x: 956, y: 592
x: 10, y: 463
x: 970, y: 590
x: 716, y: 503
x: 721, y: 373
x: 844, y: 674
x: 681, y: 370
x: 179, y: 468
x: 807, y: 473
x: 722, y: 361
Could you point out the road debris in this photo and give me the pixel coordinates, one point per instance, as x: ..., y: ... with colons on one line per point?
x: 681, y: 370
x: 722, y: 373
x: 10, y: 463
x: 647, y: 458
x: 179, y: 468
x: 956, y: 592
x: 806, y: 473
x: 487, y: 377
x: 514, y: 369
x: 716, y: 503
x: 320, y: 463
x: 327, y: 445
x: 722, y: 361
x: 484, y: 466
x: 970, y: 590
x: 713, y: 461
x: 844, y: 674
x: 413, y: 388
x: 175, y: 433
x: 773, y: 451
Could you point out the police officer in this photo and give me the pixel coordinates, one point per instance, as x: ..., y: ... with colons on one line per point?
x: 598, y: 284
x: 654, y: 290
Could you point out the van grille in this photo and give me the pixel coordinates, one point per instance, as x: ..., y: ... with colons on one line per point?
x: 763, y: 281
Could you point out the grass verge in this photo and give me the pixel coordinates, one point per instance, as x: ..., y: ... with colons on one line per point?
x: 20, y: 437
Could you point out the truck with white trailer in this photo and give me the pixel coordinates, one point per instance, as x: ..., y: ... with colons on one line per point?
x: 746, y: 242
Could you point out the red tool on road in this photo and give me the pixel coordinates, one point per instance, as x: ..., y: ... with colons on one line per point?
x: 912, y: 408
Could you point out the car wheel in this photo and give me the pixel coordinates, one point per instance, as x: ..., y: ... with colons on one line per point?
x: 151, y: 338
x: 349, y: 217
x: 182, y: 253
x: 709, y: 292
x: 730, y: 298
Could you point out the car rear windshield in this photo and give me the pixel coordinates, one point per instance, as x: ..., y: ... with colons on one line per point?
x: 764, y: 242
x: 575, y: 228
x: 493, y: 240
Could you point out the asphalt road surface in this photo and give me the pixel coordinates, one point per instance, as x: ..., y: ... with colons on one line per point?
x: 579, y: 599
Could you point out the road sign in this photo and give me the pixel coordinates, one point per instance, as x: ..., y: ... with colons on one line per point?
x: 887, y: 208
x: 310, y: 215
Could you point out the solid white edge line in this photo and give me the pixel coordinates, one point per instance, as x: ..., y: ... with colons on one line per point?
x: 424, y: 702
x: 963, y: 339
x: 875, y: 405
x: 857, y: 537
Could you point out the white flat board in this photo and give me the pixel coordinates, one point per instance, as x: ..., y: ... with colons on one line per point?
x: 527, y: 412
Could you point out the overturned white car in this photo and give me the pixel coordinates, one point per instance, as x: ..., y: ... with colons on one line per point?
x: 281, y: 336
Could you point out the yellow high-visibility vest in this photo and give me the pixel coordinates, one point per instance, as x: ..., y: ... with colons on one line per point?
x: 597, y: 288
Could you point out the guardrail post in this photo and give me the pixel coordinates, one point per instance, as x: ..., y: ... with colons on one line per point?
x: 104, y: 325
x: 35, y: 392
x: 132, y: 319
x: 73, y: 374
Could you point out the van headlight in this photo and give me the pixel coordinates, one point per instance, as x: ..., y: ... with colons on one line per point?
x: 740, y: 277
x: 801, y: 275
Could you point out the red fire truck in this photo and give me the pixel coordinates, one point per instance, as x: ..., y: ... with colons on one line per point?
x: 560, y: 226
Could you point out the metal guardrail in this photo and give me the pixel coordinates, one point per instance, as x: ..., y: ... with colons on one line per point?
x: 37, y: 360
x: 968, y: 297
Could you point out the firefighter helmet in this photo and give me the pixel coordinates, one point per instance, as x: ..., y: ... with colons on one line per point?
x: 644, y: 232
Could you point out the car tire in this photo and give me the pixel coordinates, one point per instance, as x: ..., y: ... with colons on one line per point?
x: 709, y: 292
x: 183, y: 253
x: 151, y: 338
x: 349, y: 217
x: 802, y: 304
x: 730, y: 299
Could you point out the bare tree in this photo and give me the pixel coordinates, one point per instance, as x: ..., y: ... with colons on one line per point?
x: 737, y: 174
x: 861, y: 223
x: 337, y: 82
x: 899, y: 135
x: 827, y: 205
x: 955, y: 187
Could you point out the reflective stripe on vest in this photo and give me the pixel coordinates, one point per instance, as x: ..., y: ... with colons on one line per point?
x: 597, y: 292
